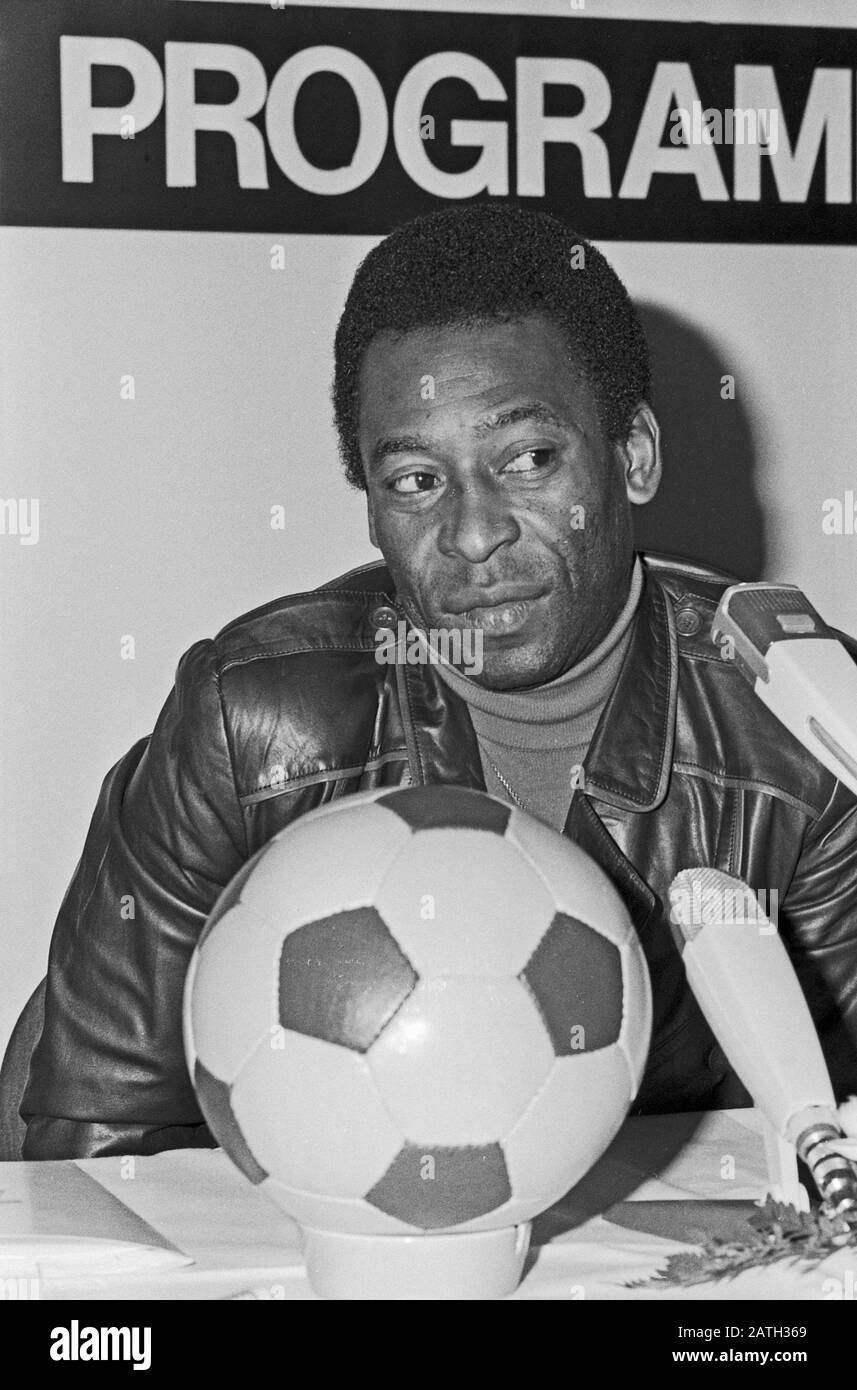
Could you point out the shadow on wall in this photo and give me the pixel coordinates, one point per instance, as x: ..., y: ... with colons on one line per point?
x: 706, y: 508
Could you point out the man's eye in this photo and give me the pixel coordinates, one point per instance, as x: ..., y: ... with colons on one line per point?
x: 408, y: 484
x: 530, y: 461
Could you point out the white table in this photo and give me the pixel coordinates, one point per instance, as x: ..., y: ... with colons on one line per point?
x: 215, y: 1236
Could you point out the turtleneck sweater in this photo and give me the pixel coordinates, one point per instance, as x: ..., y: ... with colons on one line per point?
x: 532, y: 742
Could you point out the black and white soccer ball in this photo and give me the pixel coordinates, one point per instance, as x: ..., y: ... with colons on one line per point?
x: 417, y: 1010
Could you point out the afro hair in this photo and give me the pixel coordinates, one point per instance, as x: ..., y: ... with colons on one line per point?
x: 484, y: 263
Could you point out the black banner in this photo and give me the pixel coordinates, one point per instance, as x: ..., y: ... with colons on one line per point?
x: 216, y: 1338
x: 191, y: 116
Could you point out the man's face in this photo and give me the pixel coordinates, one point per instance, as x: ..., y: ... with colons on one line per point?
x: 494, y: 496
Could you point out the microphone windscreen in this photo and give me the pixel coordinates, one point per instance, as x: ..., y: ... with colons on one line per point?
x: 741, y: 975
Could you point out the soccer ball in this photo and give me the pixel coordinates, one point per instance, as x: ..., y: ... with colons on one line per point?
x: 417, y: 1010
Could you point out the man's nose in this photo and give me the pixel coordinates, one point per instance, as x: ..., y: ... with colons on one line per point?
x: 477, y: 520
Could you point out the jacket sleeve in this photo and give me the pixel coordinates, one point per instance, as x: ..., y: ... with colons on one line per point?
x: 819, y: 921
x: 108, y: 1075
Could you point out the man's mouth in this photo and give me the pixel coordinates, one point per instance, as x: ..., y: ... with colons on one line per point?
x: 500, y: 613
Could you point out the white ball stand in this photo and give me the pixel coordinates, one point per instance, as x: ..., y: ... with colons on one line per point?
x: 464, y: 1265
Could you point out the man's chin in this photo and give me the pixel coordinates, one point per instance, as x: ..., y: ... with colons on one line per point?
x: 496, y: 661
x: 517, y: 668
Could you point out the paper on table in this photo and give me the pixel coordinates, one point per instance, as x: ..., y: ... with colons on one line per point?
x: 208, y: 1208
x: 49, y: 1214
x: 665, y: 1182
x: 666, y: 1158
x: 731, y: 1169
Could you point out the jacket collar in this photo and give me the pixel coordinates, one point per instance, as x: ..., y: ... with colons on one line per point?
x: 629, y: 760
x: 630, y: 757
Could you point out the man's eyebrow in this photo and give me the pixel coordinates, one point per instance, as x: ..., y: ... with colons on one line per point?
x: 519, y: 415
x: 393, y: 444
x: 390, y: 445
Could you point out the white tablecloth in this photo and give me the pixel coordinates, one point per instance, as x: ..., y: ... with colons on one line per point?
x: 211, y: 1235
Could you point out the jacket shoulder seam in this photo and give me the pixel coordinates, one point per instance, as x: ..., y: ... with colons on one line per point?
x: 364, y: 648
x: 321, y: 597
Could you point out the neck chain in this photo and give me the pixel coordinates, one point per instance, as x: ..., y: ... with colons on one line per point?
x: 510, y: 789
x: 517, y: 800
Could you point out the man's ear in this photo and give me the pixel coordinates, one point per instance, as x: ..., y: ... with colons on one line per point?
x: 370, y: 517
x: 641, y: 456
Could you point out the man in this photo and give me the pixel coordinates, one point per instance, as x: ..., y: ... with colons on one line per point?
x: 490, y: 391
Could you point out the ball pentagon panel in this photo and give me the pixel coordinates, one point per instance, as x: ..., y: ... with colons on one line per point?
x: 448, y: 808
x: 441, y: 1187
x: 576, y: 977
x: 342, y: 978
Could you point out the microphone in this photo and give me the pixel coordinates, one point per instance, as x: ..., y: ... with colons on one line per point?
x: 744, y: 982
x: 797, y: 666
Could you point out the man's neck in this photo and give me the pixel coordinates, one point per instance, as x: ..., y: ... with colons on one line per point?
x: 573, y: 691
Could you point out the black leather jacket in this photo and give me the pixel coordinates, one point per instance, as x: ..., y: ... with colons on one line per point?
x: 287, y: 708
